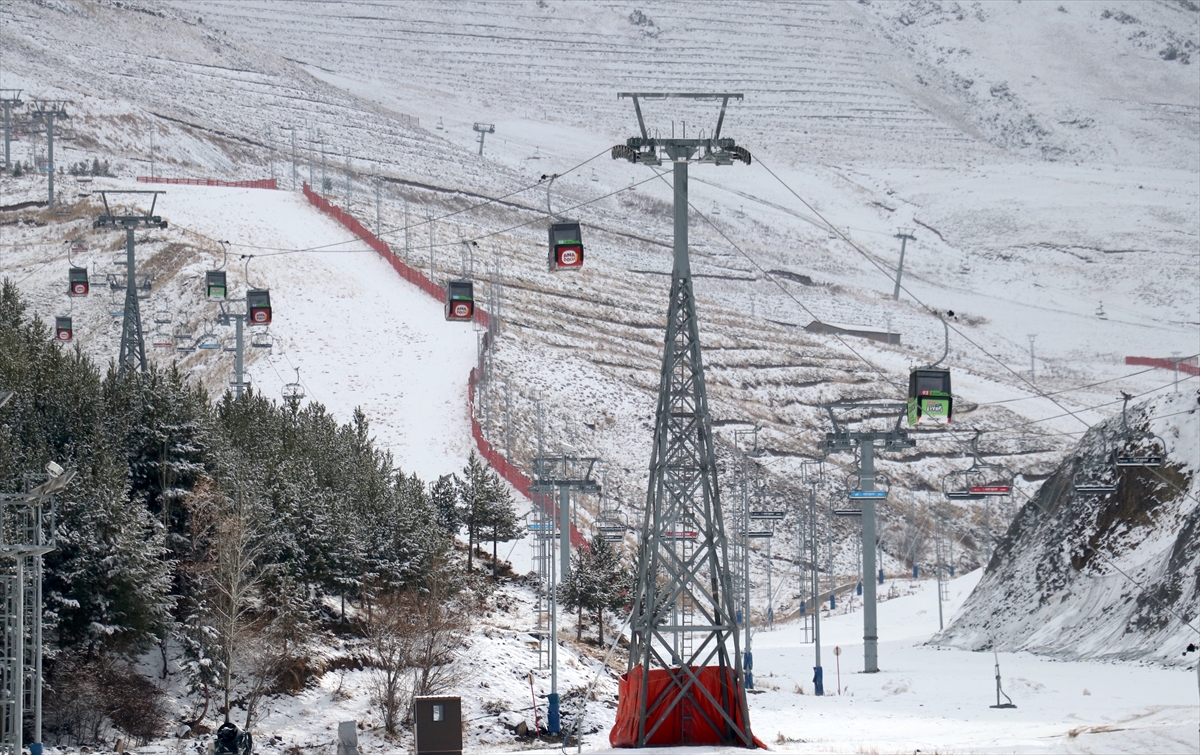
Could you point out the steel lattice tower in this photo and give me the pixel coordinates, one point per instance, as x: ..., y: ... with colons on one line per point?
x: 683, y: 611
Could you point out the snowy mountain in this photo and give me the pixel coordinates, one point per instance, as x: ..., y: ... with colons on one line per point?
x: 1045, y: 157
x: 1101, y: 575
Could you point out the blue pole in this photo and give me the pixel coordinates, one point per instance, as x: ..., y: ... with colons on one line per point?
x: 914, y: 571
x: 553, y: 719
x: 819, y: 681
x: 881, y: 576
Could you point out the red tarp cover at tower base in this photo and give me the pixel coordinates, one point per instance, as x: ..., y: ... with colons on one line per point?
x: 671, y: 732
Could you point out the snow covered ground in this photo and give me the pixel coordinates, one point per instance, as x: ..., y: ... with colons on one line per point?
x: 936, y: 699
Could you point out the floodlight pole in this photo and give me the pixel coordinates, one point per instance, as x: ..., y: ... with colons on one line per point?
x: 133, y: 343
x: 904, y: 236
x: 684, y: 597
x: 9, y: 98
x: 842, y: 439
x: 48, y: 111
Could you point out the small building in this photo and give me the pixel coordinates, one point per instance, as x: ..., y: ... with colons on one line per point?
x: 857, y: 331
x: 437, y: 725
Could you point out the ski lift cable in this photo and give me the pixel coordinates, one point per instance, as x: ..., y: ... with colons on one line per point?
x: 1081, y: 387
x: 925, y: 306
x: 396, y: 229
x: 266, y: 251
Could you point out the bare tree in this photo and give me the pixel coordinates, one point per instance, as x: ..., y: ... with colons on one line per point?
x: 412, y: 638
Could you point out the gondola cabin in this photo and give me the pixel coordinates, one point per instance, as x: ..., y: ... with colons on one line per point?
x: 460, y: 300
x: 258, y: 306
x: 78, y: 282
x: 62, y: 328
x: 929, y: 397
x: 566, y: 246
x: 214, y: 285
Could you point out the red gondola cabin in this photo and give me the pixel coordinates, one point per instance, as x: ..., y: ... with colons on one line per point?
x: 566, y: 246
x: 460, y: 300
x: 62, y: 328
x: 78, y: 282
x: 258, y: 306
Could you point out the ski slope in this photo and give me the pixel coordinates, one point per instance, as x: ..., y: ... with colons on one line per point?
x: 360, y: 335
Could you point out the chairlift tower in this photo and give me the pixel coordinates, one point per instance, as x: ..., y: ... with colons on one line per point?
x: 49, y: 111
x: 840, y: 440
x: 905, y: 235
x: 9, y: 98
x: 27, y: 533
x: 483, y: 129
x: 562, y: 474
x: 133, y: 342
x: 683, y: 496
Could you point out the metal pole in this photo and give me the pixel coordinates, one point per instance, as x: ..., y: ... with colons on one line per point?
x: 429, y: 219
x: 18, y: 684
x: 237, y: 361
x: 748, y: 659
x: 37, y: 650
x: 564, y: 524
x: 870, y: 638
x: 1032, y: 373
x: 818, y: 674
x: 7, y: 133
x: 406, y: 244
x: 50, y: 158
x: 904, y: 237
x: 553, y: 719
x: 293, y: 129
x: 377, y: 224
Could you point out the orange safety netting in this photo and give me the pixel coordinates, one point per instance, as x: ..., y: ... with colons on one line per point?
x: 683, y: 723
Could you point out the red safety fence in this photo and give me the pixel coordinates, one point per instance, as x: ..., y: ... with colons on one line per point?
x: 1186, y: 366
x: 502, y: 465
x: 262, y: 183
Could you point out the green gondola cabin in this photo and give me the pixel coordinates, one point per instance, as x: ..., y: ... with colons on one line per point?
x: 929, y: 399
x: 460, y: 300
x: 258, y: 306
x: 78, y: 282
x: 214, y: 285
x: 566, y: 246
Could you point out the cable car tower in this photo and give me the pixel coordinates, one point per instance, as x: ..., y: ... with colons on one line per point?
x: 133, y: 342
x: 683, y: 599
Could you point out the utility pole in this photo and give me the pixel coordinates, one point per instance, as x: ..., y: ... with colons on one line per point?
x: 133, y: 343
x: 842, y: 439
x: 905, y: 236
x: 1175, y: 362
x: 1032, y: 373
x: 406, y: 238
x: 347, y: 179
x: 292, y: 131
x: 562, y: 474
x: 483, y: 129
x: 683, y: 553
x: 9, y: 98
x: 48, y: 111
x: 152, y: 173
x: 429, y: 220
x: 271, y: 150
x: 378, y: 225
x: 813, y: 479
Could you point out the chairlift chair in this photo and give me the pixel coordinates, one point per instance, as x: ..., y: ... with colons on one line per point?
x: 78, y: 282
x: 229, y: 344
x: 208, y: 341
x: 261, y: 340
x: 258, y: 306
x: 1095, y: 478
x: 460, y: 300
x: 162, y: 317
x: 566, y: 246
x: 929, y: 399
x: 162, y: 339
x: 62, y: 328
x: 214, y: 285
x: 1130, y: 449
x: 959, y: 486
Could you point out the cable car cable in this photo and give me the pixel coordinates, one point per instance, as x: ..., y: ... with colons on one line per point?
x: 880, y: 267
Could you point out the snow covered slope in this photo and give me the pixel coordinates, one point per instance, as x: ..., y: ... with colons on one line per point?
x: 1116, y: 575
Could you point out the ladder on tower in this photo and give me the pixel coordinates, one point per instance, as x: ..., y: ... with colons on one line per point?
x: 542, y: 553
